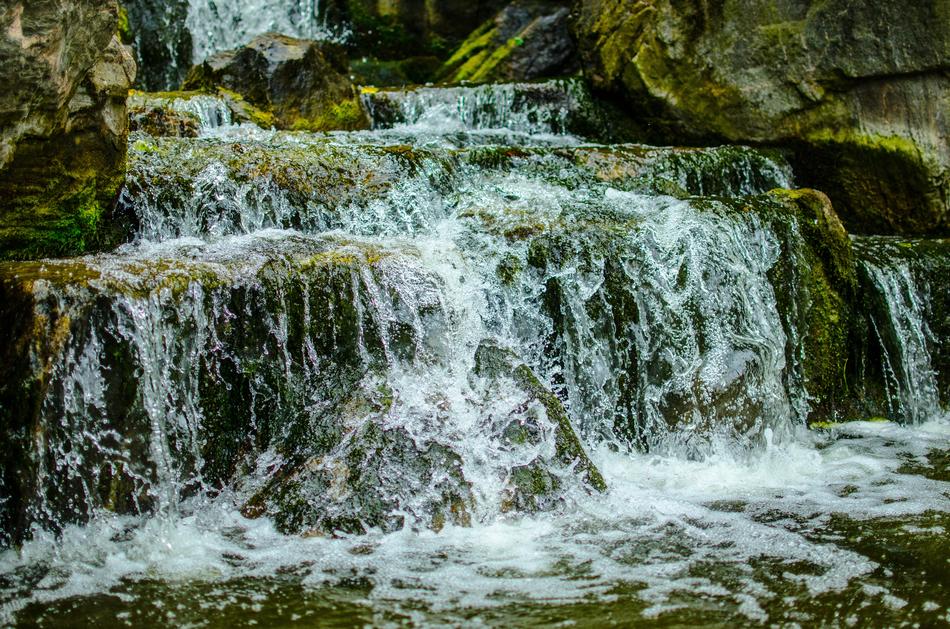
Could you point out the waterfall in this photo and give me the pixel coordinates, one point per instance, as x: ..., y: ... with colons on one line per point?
x: 216, y: 26
x: 903, y: 296
x: 466, y: 337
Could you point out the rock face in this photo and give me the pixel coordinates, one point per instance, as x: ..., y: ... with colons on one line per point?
x: 302, y: 83
x: 158, y: 33
x: 63, y: 125
x: 860, y: 89
x: 395, y: 30
x: 527, y: 40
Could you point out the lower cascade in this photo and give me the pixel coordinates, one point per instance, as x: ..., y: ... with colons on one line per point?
x: 467, y: 367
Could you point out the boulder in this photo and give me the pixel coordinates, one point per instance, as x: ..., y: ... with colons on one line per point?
x: 63, y: 126
x: 527, y: 40
x: 302, y: 83
x: 859, y: 90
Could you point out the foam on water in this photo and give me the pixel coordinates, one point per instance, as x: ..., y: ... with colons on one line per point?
x: 672, y: 529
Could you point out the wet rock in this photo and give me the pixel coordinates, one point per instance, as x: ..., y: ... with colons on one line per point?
x: 190, y: 114
x: 374, y: 478
x: 129, y: 376
x: 667, y: 356
x: 303, y: 83
x: 902, y: 356
x: 160, y: 121
x: 527, y: 40
x: 158, y: 34
x: 64, y: 127
x: 492, y: 361
x: 857, y: 89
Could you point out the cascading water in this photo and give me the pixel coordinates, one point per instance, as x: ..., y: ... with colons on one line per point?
x: 217, y: 26
x: 463, y: 368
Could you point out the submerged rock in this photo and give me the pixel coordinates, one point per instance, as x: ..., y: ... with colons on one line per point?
x: 524, y: 426
x: 858, y: 89
x: 527, y: 40
x: 64, y: 127
x: 303, y: 83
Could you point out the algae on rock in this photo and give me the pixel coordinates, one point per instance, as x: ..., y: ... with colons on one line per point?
x: 858, y: 89
x: 302, y: 83
x: 527, y: 40
x: 63, y: 147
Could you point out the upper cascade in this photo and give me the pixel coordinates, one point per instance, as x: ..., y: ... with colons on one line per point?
x: 547, y: 107
x: 220, y: 26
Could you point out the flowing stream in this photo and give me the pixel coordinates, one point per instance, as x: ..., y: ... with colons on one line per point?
x: 463, y: 369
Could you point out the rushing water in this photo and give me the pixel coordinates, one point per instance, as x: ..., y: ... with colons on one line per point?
x: 217, y: 26
x: 282, y: 404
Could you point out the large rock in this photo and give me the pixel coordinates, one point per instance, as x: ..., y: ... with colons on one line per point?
x: 528, y: 39
x: 859, y: 89
x: 302, y: 83
x: 63, y: 125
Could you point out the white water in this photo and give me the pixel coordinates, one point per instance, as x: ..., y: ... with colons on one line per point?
x: 729, y: 483
x: 911, y: 379
x: 216, y: 26
x: 661, y: 521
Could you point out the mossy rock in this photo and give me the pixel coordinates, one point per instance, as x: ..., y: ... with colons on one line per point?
x: 303, y: 84
x: 856, y: 90
x: 64, y: 133
x: 816, y: 285
x: 527, y: 40
x: 231, y: 388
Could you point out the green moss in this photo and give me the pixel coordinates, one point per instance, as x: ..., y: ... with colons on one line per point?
x: 879, y: 143
x: 508, y: 269
x: 72, y: 227
x: 880, y: 184
x: 344, y: 116
x: 124, y: 27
